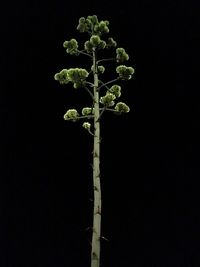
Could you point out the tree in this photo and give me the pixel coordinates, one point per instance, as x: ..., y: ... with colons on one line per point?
x: 101, y: 101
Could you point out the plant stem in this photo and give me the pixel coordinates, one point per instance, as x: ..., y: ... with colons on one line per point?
x: 83, y: 53
x: 106, y: 59
x: 112, y: 81
x: 96, y: 233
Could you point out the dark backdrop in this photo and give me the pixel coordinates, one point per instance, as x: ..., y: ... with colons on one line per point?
x: 149, y: 157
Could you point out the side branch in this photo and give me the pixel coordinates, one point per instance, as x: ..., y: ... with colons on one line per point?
x: 110, y: 109
x: 90, y: 93
x: 104, y: 85
x: 83, y: 53
x: 81, y: 117
x: 106, y: 59
x: 90, y: 84
x: 112, y: 81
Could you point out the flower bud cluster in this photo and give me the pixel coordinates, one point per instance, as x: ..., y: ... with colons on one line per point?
x: 71, y: 114
x: 62, y: 77
x: 111, y: 43
x: 94, y: 42
x: 115, y: 90
x: 71, y: 47
x: 108, y: 100
x: 87, y: 125
x: 121, y: 55
x: 87, y: 111
x: 75, y: 75
x: 122, y: 107
x: 125, y: 73
x: 100, y: 69
x: 92, y: 25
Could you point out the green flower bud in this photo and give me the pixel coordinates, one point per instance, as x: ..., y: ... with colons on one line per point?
x: 111, y: 43
x: 102, y: 45
x: 62, y: 77
x: 95, y: 40
x: 71, y: 114
x: 103, y: 27
x: 88, y: 46
x: 88, y: 23
x: 77, y: 75
x: 86, y: 125
x: 121, y: 55
x: 83, y: 74
x: 82, y: 27
x: 93, y: 19
x: 125, y: 73
x: 101, y: 69
x: 87, y: 111
x: 107, y: 100
x: 82, y: 20
x: 115, y: 90
x: 122, y: 107
x: 71, y: 47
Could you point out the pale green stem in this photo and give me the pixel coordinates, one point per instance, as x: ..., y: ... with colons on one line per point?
x: 102, y: 111
x: 106, y: 59
x: 96, y: 233
x: 81, y: 117
x: 111, y: 109
x: 83, y: 53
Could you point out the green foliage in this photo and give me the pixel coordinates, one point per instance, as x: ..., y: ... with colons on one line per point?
x: 71, y: 47
x: 71, y: 114
x: 115, y: 90
x: 121, y: 55
x: 87, y: 111
x: 125, y: 73
x: 108, y: 99
x: 122, y: 107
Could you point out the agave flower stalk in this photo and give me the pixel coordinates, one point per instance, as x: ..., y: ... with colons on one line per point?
x: 80, y: 77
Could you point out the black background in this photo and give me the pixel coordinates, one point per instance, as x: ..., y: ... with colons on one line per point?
x: 149, y: 157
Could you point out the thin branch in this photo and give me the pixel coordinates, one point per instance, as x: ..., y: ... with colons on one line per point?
x: 90, y: 93
x: 112, y: 81
x: 81, y: 117
x: 90, y: 84
x: 90, y: 132
x: 105, y: 85
x: 83, y: 53
x: 106, y: 59
x: 111, y: 109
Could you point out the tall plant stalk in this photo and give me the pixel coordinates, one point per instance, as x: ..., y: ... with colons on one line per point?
x: 96, y: 229
x: 79, y: 77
